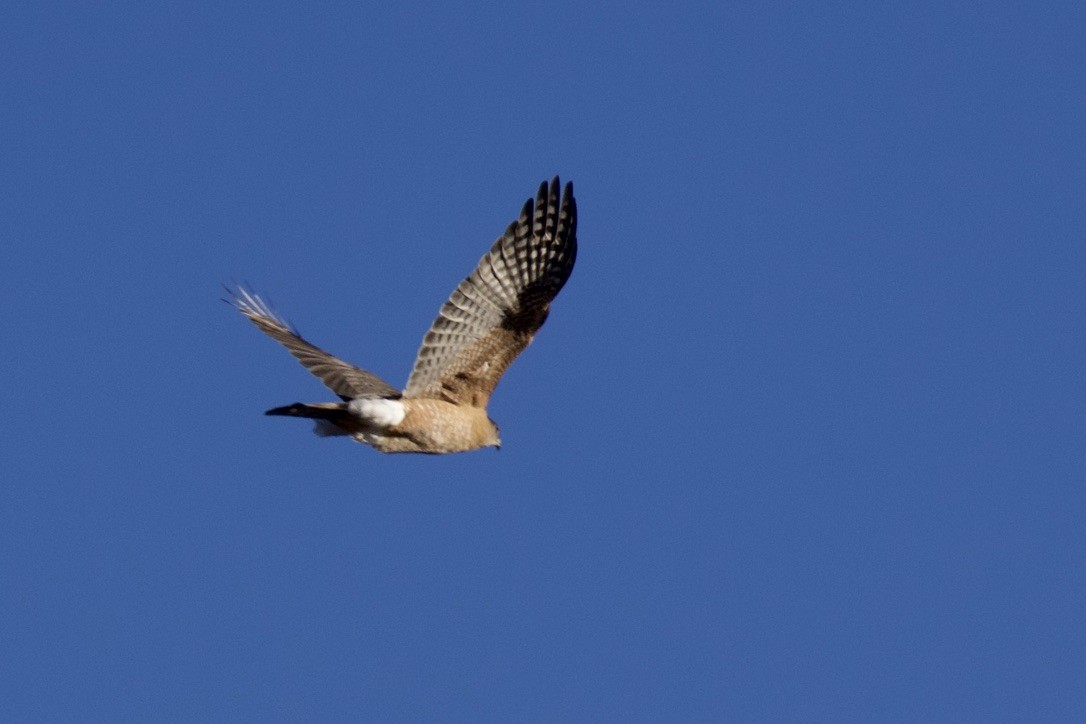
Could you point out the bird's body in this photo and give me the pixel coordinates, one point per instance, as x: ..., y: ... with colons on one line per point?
x: 490, y: 318
x: 419, y: 425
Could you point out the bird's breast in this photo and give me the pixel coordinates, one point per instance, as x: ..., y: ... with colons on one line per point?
x: 439, y: 426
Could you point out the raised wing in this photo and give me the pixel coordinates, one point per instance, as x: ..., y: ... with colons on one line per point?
x: 343, y: 378
x: 494, y: 313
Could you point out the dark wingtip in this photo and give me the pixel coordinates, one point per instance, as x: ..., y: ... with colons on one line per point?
x: 231, y: 295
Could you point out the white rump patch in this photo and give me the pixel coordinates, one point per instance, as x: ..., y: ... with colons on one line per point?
x: 378, y: 411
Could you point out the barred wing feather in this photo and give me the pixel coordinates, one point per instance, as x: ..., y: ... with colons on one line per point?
x: 496, y: 311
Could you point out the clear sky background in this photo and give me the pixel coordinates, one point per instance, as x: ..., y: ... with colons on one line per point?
x: 803, y: 439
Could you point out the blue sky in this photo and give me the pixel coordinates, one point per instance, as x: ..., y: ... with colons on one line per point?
x: 801, y: 441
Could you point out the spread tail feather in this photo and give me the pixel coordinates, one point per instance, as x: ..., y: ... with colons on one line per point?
x: 331, y: 418
x: 316, y: 410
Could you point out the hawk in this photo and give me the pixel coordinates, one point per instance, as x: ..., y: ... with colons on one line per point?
x: 489, y: 319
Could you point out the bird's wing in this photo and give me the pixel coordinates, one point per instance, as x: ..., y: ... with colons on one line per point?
x: 495, y: 312
x: 343, y: 378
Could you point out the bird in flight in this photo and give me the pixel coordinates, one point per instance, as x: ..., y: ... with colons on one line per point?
x: 489, y: 319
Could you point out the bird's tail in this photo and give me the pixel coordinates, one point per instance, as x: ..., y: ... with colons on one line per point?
x: 332, y: 418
